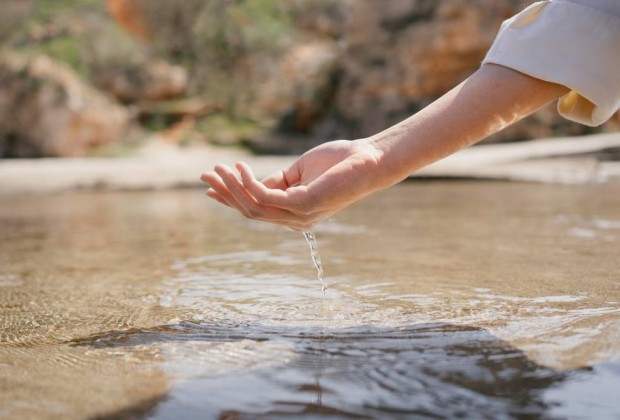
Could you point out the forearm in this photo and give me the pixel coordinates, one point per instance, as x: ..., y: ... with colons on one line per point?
x: 489, y: 100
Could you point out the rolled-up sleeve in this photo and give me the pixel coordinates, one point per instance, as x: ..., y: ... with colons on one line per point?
x: 570, y: 44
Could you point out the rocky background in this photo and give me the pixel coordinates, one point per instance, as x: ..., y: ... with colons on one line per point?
x: 95, y: 77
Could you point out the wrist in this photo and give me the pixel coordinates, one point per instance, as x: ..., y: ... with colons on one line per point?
x: 385, y: 169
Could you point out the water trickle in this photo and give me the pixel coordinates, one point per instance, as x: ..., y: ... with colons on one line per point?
x: 316, y: 258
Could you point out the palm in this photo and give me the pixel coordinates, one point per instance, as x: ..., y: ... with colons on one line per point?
x: 321, y: 159
x: 326, y: 179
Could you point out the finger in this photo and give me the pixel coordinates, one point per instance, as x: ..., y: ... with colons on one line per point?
x: 211, y: 193
x: 266, y: 196
x: 251, y: 207
x: 245, y: 202
x: 220, y: 188
x: 283, y: 179
x: 261, y: 192
x: 204, y: 177
x: 286, y: 221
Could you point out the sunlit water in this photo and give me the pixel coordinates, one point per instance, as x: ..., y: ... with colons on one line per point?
x: 473, y: 300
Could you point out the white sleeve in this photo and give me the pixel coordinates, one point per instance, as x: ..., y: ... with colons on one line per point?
x: 570, y: 44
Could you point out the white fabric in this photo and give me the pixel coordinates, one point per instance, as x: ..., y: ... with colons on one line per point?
x: 569, y: 43
x: 607, y: 6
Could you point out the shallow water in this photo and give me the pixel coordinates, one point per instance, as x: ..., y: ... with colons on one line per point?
x: 454, y: 299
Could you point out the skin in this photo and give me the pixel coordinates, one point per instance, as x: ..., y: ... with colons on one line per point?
x: 332, y: 176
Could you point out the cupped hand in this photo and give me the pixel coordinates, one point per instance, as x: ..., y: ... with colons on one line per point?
x: 321, y: 182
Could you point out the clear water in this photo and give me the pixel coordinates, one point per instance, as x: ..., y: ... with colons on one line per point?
x: 474, y: 300
x: 316, y: 258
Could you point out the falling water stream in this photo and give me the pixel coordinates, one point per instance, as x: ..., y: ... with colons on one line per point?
x: 316, y: 258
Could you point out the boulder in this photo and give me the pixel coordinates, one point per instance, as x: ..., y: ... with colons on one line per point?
x: 391, y: 59
x: 131, y: 16
x: 346, y: 69
x: 47, y: 110
x: 14, y: 16
x: 294, y: 89
x: 142, y: 80
x: 402, y: 54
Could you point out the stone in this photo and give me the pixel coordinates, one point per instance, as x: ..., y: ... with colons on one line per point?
x: 393, y: 58
x: 402, y: 54
x: 142, y: 80
x: 47, y: 110
x: 295, y: 89
x: 131, y: 16
x: 348, y: 69
x: 15, y: 14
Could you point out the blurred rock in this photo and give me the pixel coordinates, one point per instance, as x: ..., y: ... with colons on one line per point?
x: 292, y: 95
x: 284, y: 76
x: 166, y: 23
x: 401, y: 54
x: 47, y: 110
x: 391, y: 58
x: 131, y: 16
x: 144, y: 80
x: 14, y: 15
x: 295, y: 88
x: 181, y: 108
x: 395, y: 57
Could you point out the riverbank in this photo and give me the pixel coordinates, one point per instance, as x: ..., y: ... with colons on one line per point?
x: 159, y: 165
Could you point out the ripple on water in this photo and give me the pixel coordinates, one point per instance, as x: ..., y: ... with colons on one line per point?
x: 267, y: 298
x: 361, y: 338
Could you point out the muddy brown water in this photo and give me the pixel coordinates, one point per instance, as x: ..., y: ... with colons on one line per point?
x: 471, y: 299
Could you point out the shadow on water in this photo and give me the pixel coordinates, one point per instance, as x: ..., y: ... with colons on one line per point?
x: 138, y: 410
x: 428, y: 370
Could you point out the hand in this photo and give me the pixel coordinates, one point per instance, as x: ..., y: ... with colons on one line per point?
x: 321, y: 182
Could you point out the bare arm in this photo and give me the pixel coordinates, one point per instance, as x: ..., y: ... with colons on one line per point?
x: 331, y: 176
x: 488, y: 101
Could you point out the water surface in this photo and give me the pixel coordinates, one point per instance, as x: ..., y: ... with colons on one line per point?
x: 445, y: 299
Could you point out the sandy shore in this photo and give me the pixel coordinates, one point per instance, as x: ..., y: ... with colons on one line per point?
x: 575, y: 160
